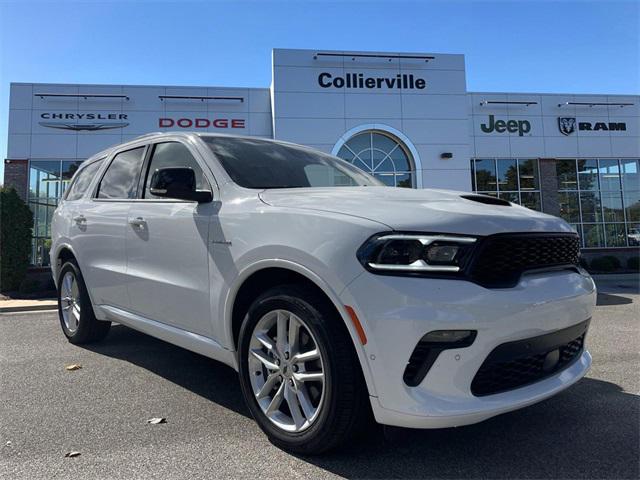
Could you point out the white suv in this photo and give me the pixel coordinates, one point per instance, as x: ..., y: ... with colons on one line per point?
x: 332, y: 295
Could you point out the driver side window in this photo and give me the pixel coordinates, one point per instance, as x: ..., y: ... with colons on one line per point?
x: 173, y: 154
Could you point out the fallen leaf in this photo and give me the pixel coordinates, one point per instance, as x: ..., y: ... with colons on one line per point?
x: 155, y: 421
x: 72, y: 454
x: 8, y: 444
x: 73, y: 366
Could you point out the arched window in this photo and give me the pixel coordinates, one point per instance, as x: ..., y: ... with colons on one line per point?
x: 381, y: 155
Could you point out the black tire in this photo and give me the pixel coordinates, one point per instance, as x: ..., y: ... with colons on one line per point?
x: 89, y: 328
x: 345, y: 411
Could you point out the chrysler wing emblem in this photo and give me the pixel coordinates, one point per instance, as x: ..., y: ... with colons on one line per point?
x: 567, y: 125
x: 83, y: 126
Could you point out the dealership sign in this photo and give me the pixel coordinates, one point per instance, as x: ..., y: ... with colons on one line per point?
x: 359, y: 81
x: 83, y: 121
x: 567, y: 125
x: 201, y: 122
x: 106, y: 121
x: 502, y: 126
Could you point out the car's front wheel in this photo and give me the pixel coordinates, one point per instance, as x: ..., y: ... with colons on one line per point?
x: 299, y: 372
x: 77, y: 319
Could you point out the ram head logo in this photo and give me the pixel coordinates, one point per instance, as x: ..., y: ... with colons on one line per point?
x: 567, y: 125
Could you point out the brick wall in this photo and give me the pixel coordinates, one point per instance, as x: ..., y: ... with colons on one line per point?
x: 16, y: 175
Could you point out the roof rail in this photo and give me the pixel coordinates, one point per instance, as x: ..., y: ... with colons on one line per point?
x: 150, y: 134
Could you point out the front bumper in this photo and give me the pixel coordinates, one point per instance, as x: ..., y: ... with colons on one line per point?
x: 396, y: 312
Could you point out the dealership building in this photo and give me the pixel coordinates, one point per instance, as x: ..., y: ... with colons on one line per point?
x: 406, y: 118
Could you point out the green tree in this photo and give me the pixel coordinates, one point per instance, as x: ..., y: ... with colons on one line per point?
x: 16, y: 223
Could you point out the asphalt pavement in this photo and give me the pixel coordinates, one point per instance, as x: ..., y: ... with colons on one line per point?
x: 101, y: 411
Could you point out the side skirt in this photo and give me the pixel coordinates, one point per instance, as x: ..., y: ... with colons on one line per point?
x: 176, y: 336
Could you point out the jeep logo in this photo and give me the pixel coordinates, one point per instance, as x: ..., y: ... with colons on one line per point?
x: 511, y: 126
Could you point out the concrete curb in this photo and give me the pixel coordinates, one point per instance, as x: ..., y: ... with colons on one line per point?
x: 36, y: 306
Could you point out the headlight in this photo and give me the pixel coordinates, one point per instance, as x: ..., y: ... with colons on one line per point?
x: 416, y: 253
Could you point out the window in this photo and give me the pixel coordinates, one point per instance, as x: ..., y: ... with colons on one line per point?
x: 121, y: 178
x: 513, y: 179
x: 601, y: 199
x: 69, y: 168
x: 381, y: 155
x: 173, y: 154
x: 320, y: 175
x: 45, y: 189
x: 255, y: 163
x: 486, y: 175
x: 82, y: 181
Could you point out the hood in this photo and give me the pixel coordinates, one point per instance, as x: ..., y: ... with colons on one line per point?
x: 425, y: 210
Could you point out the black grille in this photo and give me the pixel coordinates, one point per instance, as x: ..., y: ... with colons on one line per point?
x: 516, y: 364
x: 501, y: 259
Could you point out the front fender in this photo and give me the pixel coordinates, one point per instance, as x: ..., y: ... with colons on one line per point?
x: 332, y: 292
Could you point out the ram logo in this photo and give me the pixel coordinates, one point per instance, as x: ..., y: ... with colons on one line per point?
x: 567, y: 125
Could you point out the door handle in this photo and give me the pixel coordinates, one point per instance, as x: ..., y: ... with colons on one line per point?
x: 137, y: 222
x: 80, y: 219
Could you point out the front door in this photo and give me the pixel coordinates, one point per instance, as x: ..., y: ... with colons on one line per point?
x: 167, y: 254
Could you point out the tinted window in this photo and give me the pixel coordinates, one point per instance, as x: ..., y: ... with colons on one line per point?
x: 172, y: 154
x: 254, y: 163
x: 121, y: 178
x: 82, y: 180
x: 69, y: 168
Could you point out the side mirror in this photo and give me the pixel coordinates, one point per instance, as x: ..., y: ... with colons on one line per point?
x: 179, y: 183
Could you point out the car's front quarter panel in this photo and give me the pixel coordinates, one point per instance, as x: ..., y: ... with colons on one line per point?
x: 397, y: 311
x: 248, y: 235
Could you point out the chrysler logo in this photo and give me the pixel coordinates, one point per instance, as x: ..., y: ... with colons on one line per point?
x: 567, y: 125
x: 83, y: 126
x: 88, y: 123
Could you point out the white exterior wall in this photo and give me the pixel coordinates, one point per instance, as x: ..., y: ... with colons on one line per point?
x: 545, y: 140
x: 432, y: 120
x: 141, y: 113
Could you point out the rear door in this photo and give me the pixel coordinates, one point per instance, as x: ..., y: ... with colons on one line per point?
x: 99, y: 227
x: 167, y: 248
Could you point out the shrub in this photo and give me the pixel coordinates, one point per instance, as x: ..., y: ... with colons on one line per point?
x: 607, y: 263
x: 16, y: 222
x: 29, y: 285
x: 633, y: 263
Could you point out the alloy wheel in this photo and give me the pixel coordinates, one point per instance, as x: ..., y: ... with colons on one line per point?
x: 286, y: 370
x: 70, y: 302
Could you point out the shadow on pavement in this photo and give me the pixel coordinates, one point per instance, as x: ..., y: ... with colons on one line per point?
x: 201, y: 375
x: 607, y: 299
x: 588, y: 431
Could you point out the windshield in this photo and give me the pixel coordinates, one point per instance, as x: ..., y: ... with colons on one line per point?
x: 255, y: 163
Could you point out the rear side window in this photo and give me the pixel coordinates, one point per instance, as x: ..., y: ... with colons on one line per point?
x: 121, y: 178
x: 83, y: 180
x: 173, y: 154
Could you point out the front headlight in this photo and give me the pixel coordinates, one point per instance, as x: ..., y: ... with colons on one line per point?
x: 416, y: 253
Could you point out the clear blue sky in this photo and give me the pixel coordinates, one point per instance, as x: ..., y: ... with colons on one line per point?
x: 536, y: 46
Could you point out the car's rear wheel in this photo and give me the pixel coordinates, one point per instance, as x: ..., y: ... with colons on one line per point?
x: 299, y: 372
x: 77, y: 319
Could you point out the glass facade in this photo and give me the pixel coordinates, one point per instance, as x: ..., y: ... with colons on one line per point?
x: 382, y: 156
x: 48, y: 179
x: 600, y: 197
x: 516, y: 180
